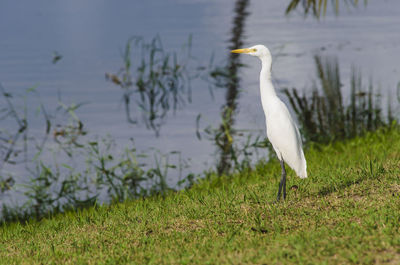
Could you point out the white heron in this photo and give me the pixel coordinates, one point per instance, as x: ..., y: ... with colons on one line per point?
x: 282, y: 131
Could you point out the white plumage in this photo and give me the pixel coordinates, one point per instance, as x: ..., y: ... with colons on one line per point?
x: 282, y: 131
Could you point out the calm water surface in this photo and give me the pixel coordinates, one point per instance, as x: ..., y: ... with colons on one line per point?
x: 91, y: 34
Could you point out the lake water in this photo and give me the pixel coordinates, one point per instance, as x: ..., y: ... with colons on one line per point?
x: 91, y: 34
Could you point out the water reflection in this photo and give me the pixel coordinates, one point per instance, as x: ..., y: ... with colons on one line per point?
x: 224, y: 138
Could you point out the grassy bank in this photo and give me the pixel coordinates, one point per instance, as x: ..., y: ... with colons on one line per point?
x: 347, y: 211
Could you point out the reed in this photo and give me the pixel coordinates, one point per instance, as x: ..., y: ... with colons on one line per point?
x: 318, y: 8
x: 325, y: 116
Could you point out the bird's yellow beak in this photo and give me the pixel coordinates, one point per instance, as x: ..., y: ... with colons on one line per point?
x: 243, y: 50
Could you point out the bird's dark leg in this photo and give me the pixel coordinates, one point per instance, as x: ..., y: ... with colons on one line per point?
x: 282, y: 184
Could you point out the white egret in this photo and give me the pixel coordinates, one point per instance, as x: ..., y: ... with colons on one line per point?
x: 282, y: 132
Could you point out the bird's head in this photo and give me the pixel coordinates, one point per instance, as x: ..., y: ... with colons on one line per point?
x: 257, y: 50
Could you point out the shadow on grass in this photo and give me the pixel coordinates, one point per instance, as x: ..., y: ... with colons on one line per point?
x: 371, y: 171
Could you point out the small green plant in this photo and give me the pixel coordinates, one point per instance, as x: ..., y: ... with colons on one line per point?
x: 159, y: 82
x: 238, y: 155
x: 17, y: 129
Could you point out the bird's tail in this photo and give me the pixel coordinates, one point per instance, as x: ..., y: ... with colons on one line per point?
x: 302, y: 170
x: 302, y: 174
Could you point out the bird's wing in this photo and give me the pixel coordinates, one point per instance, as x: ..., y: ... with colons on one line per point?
x: 284, y: 136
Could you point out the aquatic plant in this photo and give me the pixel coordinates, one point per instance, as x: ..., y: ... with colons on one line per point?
x: 65, y: 167
x: 325, y: 116
x: 318, y: 7
x: 159, y: 82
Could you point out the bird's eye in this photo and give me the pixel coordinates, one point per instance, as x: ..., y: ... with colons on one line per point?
x: 254, y: 50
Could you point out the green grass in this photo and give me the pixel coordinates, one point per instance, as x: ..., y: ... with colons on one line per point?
x: 347, y: 211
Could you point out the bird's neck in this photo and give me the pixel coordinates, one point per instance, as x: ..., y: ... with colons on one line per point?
x: 266, y: 87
